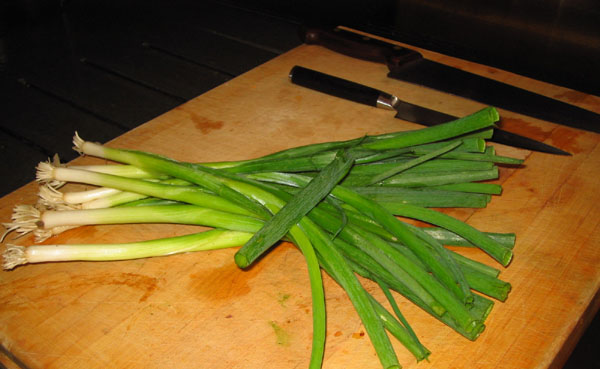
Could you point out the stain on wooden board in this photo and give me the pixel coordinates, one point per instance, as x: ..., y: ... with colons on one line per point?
x: 145, y: 284
x: 358, y: 335
x: 222, y: 283
x: 42, y: 287
x: 282, y: 336
x: 282, y: 298
x: 206, y: 125
x: 522, y: 127
x: 567, y: 139
x: 201, y: 123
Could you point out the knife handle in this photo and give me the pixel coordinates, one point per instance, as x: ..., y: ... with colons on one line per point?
x: 358, y: 46
x: 338, y: 87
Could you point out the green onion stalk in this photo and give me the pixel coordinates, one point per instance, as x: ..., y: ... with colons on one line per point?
x: 15, y: 255
x: 336, y: 201
x: 215, y: 183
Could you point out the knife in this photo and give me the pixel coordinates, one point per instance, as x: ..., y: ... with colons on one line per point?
x: 356, y: 92
x: 410, y: 66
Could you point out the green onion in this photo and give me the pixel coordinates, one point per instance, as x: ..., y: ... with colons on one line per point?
x: 481, y: 119
x: 336, y: 201
x: 52, y: 196
x: 208, y: 240
x: 499, y: 252
x: 485, y: 156
x: 471, y: 264
x: 294, y: 210
x: 434, y: 165
x: 401, y: 271
x: 128, y: 171
x: 198, y: 175
x: 422, y: 352
x: 447, y: 237
x: 422, y: 196
x: 48, y: 173
x: 317, y: 294
x: 237, y: 192
x: 412, y: 163
x: 391, y: 224
x: 428, y: 179
x: 47, y: 223
x: 357, y: 294
x: 471, y: 187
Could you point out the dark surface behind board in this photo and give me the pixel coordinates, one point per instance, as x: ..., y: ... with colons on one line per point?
x: 103, y: 68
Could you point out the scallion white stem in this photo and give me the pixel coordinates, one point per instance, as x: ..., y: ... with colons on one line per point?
x: 129, y: 171
x: 80, y: 197
x: 114, y: 200
x: 192, y: 195
x: 209, y: 240
x: 45, y: 224
x: 52, y: 197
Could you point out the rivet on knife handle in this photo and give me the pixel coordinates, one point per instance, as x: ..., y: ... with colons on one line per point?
x: 362, y: 94
x: 340, y: 87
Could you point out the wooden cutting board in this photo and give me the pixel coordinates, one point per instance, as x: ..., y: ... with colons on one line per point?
x: 200, y: 311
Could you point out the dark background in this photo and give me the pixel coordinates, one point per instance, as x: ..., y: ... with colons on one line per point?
x: 104, y: 67
x: 552, y: 40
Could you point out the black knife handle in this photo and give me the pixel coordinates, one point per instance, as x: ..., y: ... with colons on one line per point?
x: 357, y: 46
x: 334, y: 86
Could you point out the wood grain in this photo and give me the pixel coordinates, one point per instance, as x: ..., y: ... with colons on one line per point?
x: 199, y: 310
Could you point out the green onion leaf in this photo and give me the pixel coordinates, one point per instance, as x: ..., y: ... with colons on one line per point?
x: 276, y: 227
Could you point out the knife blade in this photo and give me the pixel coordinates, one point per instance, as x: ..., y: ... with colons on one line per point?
x: 409, y: 65
x: 366, y: 95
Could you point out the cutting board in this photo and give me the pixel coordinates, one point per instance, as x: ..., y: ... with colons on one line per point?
x: 199, y: 310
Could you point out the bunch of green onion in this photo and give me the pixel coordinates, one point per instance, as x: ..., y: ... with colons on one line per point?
x: 338, y: 202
